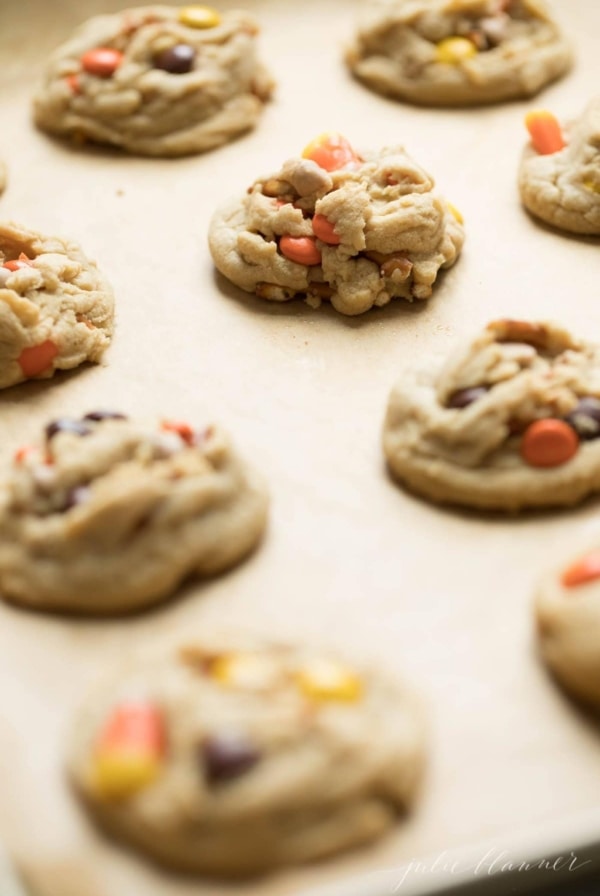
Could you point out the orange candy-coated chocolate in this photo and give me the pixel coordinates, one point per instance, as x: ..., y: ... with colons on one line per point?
x: 101, y: 62
x: 549, y: 443
x: 545, y: 131
x: 301, y: 249
x: 331, y: 152
x: 584, y: 570
x: 38, y: 358
x: 134, y: 727
x: 184, y: 430
x: 325, y: 230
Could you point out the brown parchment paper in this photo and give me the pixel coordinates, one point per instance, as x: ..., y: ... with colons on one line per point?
x: 442, y: 598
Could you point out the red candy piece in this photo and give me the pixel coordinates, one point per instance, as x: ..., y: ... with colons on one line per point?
x: 136, y: 727
x: 101, y: 62
x: 38, y: 358
x: 325, y: 230
x: 584, y: 570
x: 184, y: 430
x: 301, y: 249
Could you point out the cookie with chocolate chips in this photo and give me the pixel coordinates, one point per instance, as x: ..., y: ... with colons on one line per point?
x: 559, y: 177
x: 56, y: 307
x: 231, y: 756
x: 356, y: 230
x: 458, y: 52
x: 156, y: 81
x: 105, y: 515
x: 510, y: 421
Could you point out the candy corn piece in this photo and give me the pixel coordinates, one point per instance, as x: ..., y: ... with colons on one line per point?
x: 545, y: 131
x: 324, y: 680
x: 129, y: 751
x: 330, y: 151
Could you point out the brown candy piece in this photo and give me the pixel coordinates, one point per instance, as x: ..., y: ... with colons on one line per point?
x: 65, y: 424
x: 177, y: 60
x: 464, y: 397
x: 227, y: 756
x: 585, y: 418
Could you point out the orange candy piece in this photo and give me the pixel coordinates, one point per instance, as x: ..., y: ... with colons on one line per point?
x: 301, y: 249
x: 325, y: 230
x: 584, y: 570
x: 102, y: 61
x: 549, y: 443
x: 22, y: 261
x: 331, y: 152
x: 545, y: 131
x: 136, y: 727
x: 184, y: 430
x: 73, y: 83
x: 38, y: 358
x: 23, y: 452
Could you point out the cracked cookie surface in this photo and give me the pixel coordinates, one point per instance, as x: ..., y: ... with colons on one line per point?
x: 560, y: 182
x: 157, y: 81
x: 56, y: 307
x: 568, y: 624
x: 356, y: 231
x: 458, y: 52
x: 106, y: 515
x: 232, y: 756
x: 508, y: 423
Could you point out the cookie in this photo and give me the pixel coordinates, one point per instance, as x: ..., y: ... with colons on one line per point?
x: 459, y: 52
x: 559, y: 177
x: 511, y: 421
x: 354, y: 230
x: 568, y: 624
x: 156, y: 81
x: 56, y: 308
x: 106, y: 515
x: 233, y: 756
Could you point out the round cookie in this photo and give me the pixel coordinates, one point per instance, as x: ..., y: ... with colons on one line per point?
x: 458, y: 52
x: 56, y: 308
x: 559, y: 177
x: 107, y: 515
x: 231, y: 757
x: 354, y: 230
x: 511, y: 421
x: 568, y: 624
x: 156, y: 81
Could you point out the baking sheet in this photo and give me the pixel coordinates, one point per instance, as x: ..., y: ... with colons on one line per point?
x: 442, y: 598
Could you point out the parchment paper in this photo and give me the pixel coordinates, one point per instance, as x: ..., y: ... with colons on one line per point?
x: 440, y: 597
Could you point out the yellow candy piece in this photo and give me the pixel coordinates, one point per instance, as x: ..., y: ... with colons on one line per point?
x: 592, y: 185
x: 326, y: 680
x: 199, y: 17
x: 453, y: 50
x: 455, y: 213
x: 118, y: 775
x: 245, y: 670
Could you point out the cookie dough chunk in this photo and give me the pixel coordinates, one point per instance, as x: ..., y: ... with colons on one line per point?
x: 56, y: 308
x: 559, y: 177
x: 156, y: 81
x: 106, y: 515
x: 568, y: 622
x: 234, y: 756
x: 459, y: 52
x: 511, y: 421
x: 354, y: 230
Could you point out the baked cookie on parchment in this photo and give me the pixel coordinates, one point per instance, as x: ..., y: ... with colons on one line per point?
x: 559, y: 177
x: 354, y: 230
x: 511, y: 421
x: 458, y: 52
x: 156, y: 81
x: 56, y: 307
x: 568, y: 622
x: 106, y: 515
x: 232, y: 756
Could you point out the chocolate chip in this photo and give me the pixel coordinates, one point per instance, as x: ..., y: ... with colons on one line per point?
x: 585, y: 418
x: 76, y: 496
x: 178, y: 60
x: 464, y: 397
x: 97, y: 416
x: 227, y: 756
x: 75, y: 427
